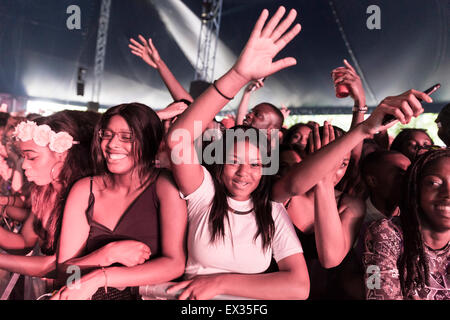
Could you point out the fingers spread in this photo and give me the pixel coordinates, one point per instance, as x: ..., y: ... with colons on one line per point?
x: 273, y: 22
x: 256, y: 32
x: 144, y: 42
x: 284, y: 40
x: 137, y: 44
x: 284, y: 25
x: 283, y: 63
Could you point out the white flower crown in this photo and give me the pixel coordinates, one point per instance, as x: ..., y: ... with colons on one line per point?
x: 43, y: 135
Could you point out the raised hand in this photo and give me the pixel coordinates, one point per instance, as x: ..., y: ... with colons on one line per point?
x: 265, y: 42
x: 315, y: 142
x: 285, y: 111
x: 347, y: 76
x: 146, y: 51
x: 403, y: 107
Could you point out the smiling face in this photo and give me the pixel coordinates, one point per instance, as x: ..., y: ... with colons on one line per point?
x: 435, y: 194
x: 39, y: 162
x: 117, y: 146
x: 242, y: 171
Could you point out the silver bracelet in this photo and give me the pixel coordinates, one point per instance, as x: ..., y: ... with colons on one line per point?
x: 360, y: 109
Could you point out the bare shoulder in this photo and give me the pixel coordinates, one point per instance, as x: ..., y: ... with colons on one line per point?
x: 81, y: 185
x: 356, y: 205
x: 81, y: 188
x: 165, y: 182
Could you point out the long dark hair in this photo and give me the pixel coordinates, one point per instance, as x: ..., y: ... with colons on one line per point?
x: 77, y: 164
x: 260, y: 196
x: 413, y: 266
x: 147, y: 131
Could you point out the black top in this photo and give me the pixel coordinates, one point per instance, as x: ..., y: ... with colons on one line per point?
x: 139, y: 222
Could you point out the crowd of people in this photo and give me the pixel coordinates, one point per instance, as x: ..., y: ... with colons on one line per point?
x: 243, y: 207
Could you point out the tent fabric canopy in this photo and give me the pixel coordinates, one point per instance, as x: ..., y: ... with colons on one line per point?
x: 40, y: 56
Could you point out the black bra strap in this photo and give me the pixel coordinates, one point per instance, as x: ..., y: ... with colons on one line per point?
x: 90, y: 208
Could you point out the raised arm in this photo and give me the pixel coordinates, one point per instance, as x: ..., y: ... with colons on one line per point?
x: 335, y: 229
x: 304, y: 175
x: 349, y: 77
x: 255, y: 62
x: 243, y: 105
x: 147, y: 52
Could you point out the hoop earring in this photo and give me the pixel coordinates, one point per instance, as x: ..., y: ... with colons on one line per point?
x: 52, y: 171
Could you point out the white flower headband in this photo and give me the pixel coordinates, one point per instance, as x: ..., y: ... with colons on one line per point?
x: 43, y: 135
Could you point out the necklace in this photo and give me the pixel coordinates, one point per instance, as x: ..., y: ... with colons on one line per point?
x: 240, y: 212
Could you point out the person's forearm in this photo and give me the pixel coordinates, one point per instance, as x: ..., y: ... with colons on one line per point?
x: 206, y: 106
x: 34, y: 266
x: 243, y: 108
x: 12, y: 201
x: 17, y: 214
x: 175, y: 88
x: 98, y: 258
x: 304, y: 175
x: 276, y: 285
x: 357, y: 118
x: 12, y: 241
x: 152, y: 272
x: 329, y: 234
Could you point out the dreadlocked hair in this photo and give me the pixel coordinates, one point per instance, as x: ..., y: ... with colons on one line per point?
x: 413, y: 265
x: 260, y: 196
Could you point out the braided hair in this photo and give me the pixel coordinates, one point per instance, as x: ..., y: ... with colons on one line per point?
x: 413, y: 266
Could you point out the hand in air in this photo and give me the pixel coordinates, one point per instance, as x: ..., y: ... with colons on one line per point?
x: 146, y: 51
x: 347, y: 76
x: 403, y: 107
x: 265, y: 42
x: 315, y: 142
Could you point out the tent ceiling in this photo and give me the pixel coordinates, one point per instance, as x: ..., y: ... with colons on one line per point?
x: 39, y: 56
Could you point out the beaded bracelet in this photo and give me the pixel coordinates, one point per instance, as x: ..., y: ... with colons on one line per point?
x: 215, y: 87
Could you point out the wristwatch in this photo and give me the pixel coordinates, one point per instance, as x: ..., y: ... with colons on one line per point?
x: 360, y: 109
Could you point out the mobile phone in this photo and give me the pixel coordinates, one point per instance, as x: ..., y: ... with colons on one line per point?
x: 389, y: 118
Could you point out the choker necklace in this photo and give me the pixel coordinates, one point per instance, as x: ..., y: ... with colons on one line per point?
x: 240, y: 212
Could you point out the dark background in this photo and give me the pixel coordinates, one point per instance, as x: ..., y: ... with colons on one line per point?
x: 40, y: 56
